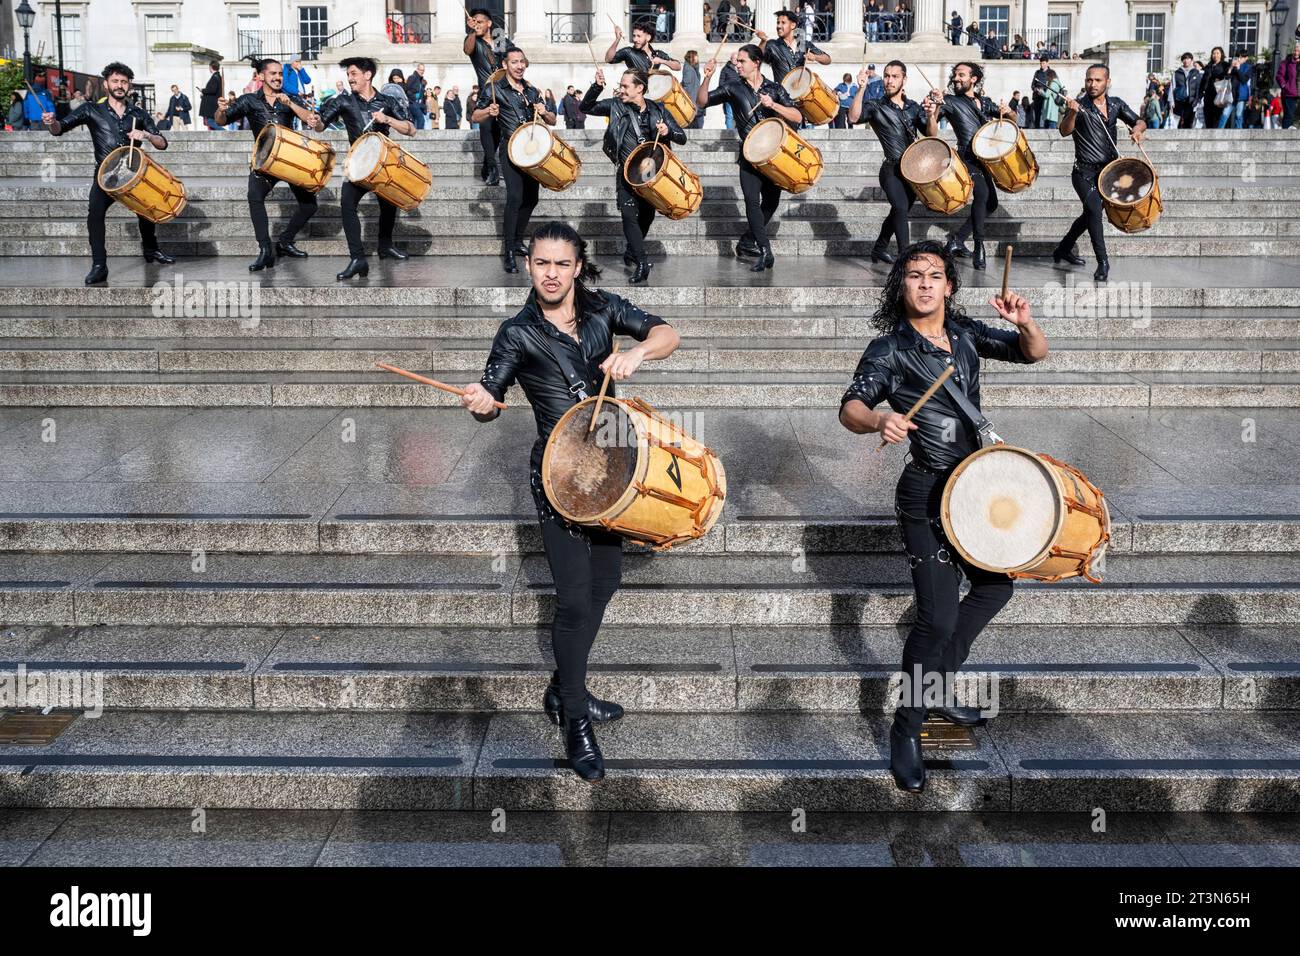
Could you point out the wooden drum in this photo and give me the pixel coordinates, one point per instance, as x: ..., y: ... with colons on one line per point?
x: 661, y: 179
x: 1002, y: 148
x: 638, y: 474
x: 665, y: 88
x: 1025, y: 514
x: 1130, y: 191
x: 376, y: 163
x: 815, y: 99
x: 540, y: 153
x: 937, y: 174
x: 782, y: 155
x: 141, y: 184
x: 296, y: 158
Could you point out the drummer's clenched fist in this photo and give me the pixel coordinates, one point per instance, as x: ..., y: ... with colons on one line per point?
x: 863, y: 77
x: 600, y: 77
x: 662, y: 128
x: 620, y: 365
x: 766, y: 101
x: 494, y: 109
x: 222, y: 102
x: 1071, y: 105
x: 477, y: 399
x: 894, y: 427
x: 709, y: 68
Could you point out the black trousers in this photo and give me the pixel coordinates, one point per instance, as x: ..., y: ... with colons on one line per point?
x: 985, y: 201
x: 761, y: 199
x: 352, y: 196
x: 97, y: 208
x: 587, y: 567
x: 638, y: 215
x: 900, y: 195
x: 490, y: 141
x: 1084, y: 180
x: 521, y: 196
x: 259, y: 187
x: 1212, y: 114
x: 946, y: 625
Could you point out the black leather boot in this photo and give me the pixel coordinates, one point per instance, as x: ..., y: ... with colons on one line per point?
x: 765, y: 261
x: 265, y: 259
x: 642, y: 272
x: 493, y: 177
x: 598, y: 710
x: 356, y: 267
x: 584, y: 753
x: 629, y: 259
x: 977, y: 260
x: 955, y: 248
x: 508, y: 260
x: 390, y: 251
x: 1103, y: 270
x: 285, y: 248
x: 905, y: 761
x: 881, y: 255
x: 961, y: 716
x: 158, y: 256
x: 1067, y: 255
x: 747, y: 249
x: 98, y: 273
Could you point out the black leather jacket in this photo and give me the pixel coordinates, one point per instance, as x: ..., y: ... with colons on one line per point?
x: 967, y: 114
x: 259, y: 112
x: 108, y: 131
x: 900, y: 366
x: 638, y: 59
x: 895, y: 126
x: 523, y: 351
x: 516, y: 107
x: 628, y: 128
x: 1094, y: 137
x: 744, y: 98
x: 355, y: 112
x: 783, y: 58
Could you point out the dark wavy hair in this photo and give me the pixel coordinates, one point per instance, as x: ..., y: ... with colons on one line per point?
x: 640, y: 77
x: 363, y: 63
x: 753, y: 51
x: 585, y: 297
x: 891, y: 313
x: 260, y: 66
x: 121, y: 69
x: 976, y: 71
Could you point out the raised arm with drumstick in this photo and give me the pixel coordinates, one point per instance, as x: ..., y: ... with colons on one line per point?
x: 557, y: 349
x: 640, y: 55
x: 925, y: 363
x: 789, y: 50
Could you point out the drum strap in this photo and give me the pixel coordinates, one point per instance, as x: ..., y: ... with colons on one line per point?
x: 973, y: 414
x: 577, y: 383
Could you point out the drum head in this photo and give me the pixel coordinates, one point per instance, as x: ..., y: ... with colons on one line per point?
x: 661, y: 84
x: 1127, y: 180
x: 764, y: 140
x: 798, y: 83
x: 925, y: 161
x: 120, y: 168
x: 1003, y: 507
x: 364, y: 157
x: 644, y: 163
x: 588, y: 473
x: 530, y: 145
x: 993, y: 140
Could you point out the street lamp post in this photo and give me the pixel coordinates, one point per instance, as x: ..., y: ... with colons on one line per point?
x: 1278, y: 14
x: 26, y: 17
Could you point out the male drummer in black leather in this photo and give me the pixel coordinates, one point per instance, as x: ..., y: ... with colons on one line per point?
x: 752, y: 98
x: 509, y: 103
x: 363, y: 110
x: 922, y: 331
x: 896, y: 121
x: 1092, y: 123
x: 558, y: 348
x: 640, y: 55
x: 784, y: 53
x: 967, y: 109
x: 633, y: 120
x: 270, y: 105
x: 482, y: 49
x: 113, y: 122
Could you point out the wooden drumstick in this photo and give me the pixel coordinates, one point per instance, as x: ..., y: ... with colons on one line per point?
x: 429, y: 381
x: 929, y: 393
x: 590, y: 49
x: 130, y: 148
x: 718, y: 48
x: 1006, y: 275
x: 600, y: 399
x: 612, y: 23
x: 924, y: 77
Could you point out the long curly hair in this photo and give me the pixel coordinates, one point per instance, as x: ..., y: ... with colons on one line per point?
x: 976, y: 71
x: 891, y: 313
x: 586, y: 298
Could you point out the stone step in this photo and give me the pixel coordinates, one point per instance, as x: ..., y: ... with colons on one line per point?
x: 1031, y: 762
x: 662, y: 389
x: 444, y: 323
x: 1016, y: 669
x: 696, y: 355
x: 401, y: 590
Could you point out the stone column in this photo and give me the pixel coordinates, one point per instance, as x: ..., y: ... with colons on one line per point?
x: 689, y: 32
x: 449, y: 24
x: 848, y: 21
x: 928, y: 26
x: 764, y: 17
x: 532, y: 25
x: 601, y: 29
